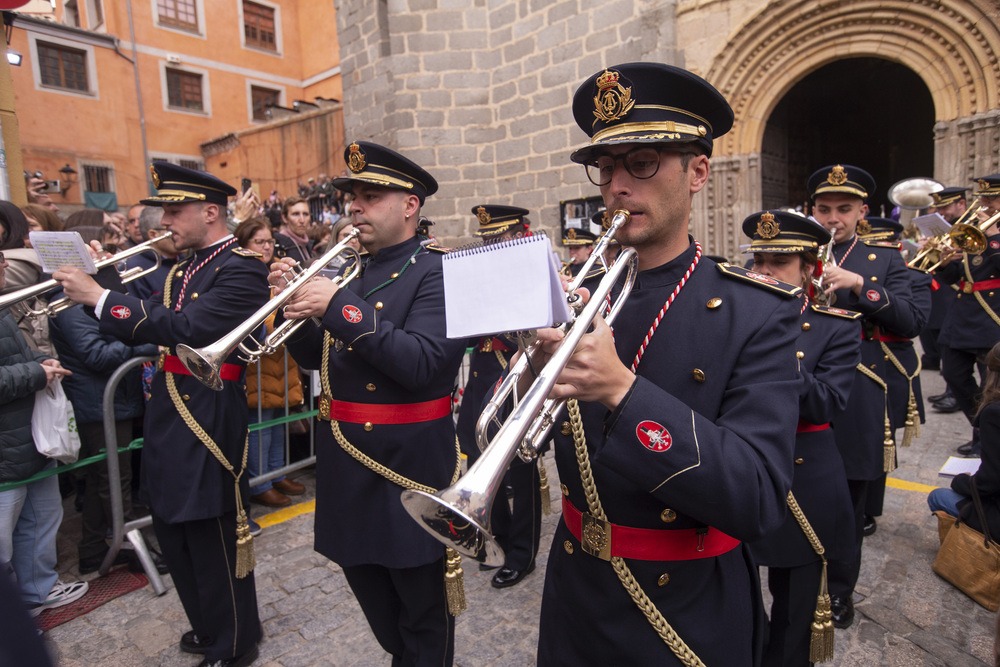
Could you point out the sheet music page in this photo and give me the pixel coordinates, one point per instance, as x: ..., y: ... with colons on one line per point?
x: 57, y: 249
x: 932, y: 225
x: 508, y: 286
x: 956, y: 466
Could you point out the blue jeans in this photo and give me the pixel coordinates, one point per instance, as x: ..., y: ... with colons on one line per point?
x: 29, y: 521
x: 267, y: 449
x: 944, y: 499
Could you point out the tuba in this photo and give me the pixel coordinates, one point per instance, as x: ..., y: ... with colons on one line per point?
x: 459, y: 516
x: 206, y: 362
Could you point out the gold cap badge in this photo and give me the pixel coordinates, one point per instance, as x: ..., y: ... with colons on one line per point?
x: 356, y: 160
x: 864, y: 227
x: 936, y: 199
x: 983, y: 184
x: 613, y: 101
x: 606, y: 222
x: 153, y: 175
x: 767, y: 228
x: 571, y: 234
x: 483, y: 215
x: 837, y: 177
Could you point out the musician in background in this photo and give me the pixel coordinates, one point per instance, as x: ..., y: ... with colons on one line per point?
x: 874, y: 281
x: 580, y: 243
x: 784, y: 247
x: 688, y: 409
x: 973, y: 324
x: 197, y: 501
x: 387, y: 370
x: 150, y: 286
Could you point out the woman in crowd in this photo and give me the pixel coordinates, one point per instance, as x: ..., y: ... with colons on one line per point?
x: 24, y: 269
x: 41, y: 219
x: 785, y: 247
x: 293, y: 237
x: 273, y: 386
x: 341, y: 230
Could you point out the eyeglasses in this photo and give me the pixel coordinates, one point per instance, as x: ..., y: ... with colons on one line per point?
x: 262, y: 241
x: 642, y: 163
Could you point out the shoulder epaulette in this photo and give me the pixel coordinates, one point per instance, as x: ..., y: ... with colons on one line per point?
x: 595, y: 271
x: 246, y: 252
x: 438, y: 248
x: 836, y: 312
x: 759, y: 279
x: 895, y: 245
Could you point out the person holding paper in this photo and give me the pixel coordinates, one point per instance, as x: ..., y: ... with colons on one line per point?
x: 688, y: 407
x: 973, y: 323
x: 197, y: 502
x: 387, y: 370
x: 517, y: 530
x: 784, y: 247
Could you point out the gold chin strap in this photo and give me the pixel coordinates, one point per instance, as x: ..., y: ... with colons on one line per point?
x: 821, y: 641
x: 454, y: 575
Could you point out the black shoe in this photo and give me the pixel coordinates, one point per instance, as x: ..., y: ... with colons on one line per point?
x: 192, y: 643
x: 939, y: 397
x: 843, y: 612
x: 971, y: 449
x: 93, y: 563
x: 483, y: 567
x: 946, y: 405
x: 870, y: 526
x: 135, y: 565
x: 244, y: 660
x: 506, y: 576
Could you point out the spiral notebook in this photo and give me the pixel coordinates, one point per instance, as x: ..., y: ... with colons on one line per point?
x: 509, y: 286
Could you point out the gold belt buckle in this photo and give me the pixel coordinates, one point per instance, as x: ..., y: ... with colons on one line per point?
x: 968, y: 288
x: 324, y: 408
x: 595, y: 536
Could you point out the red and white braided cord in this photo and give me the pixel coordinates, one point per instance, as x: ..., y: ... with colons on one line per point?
x: 194, y: 269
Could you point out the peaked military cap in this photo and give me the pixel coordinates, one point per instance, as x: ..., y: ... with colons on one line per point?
x: 378, y: 165
x: 578, y: 237
x: 879, y: 229
x: 178, y: 185
x: 648, y: 103
x: 781, y: 231
x: 947, y: 196
x: 988, y: 186
x: 494, y: 220
x: 842, y: 178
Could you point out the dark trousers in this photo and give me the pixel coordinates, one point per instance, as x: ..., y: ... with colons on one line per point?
x: 931, y: 358
x: 875, y: 499
x: 794, y: 591
x: 957, y: 368
x: 97, y: 497
x: 201, y: 556
x: 843, y: 572
x: 407, y: 610
x: 518, y: 528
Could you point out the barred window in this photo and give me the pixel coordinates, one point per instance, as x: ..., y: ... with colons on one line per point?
x: 258, y: 26
x: 62, y: 67
x: 184, y: 90
x: 192, y: 164
x: 261, y: 98
x: 179, y: 13
x: 96, y: 178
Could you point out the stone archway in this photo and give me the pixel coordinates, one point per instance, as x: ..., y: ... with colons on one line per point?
x: 952, y: 46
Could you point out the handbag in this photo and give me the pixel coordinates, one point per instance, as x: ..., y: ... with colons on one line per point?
x: 53, y: 425
x: 970, y: 560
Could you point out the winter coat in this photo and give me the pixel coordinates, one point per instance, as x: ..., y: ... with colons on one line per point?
x: 21, y: 375
x: 273, y: 379
x: 24, y: 268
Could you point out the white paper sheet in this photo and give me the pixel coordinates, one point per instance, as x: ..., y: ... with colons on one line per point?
x: 956, y: 466
x: 57, y: 249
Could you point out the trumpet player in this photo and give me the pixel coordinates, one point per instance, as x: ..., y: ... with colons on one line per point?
x: 387, y: 370
x: 973, y: 324
x: 873, y: 280
x: 687, y: 409
x: 196, y: 501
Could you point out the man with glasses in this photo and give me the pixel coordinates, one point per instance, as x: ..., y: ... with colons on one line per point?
x: 688, y: 407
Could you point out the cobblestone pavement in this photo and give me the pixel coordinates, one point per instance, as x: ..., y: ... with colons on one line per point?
x: 906, y: 615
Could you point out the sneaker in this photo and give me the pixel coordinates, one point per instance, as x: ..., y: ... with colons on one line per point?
x: 60, y: 595
x: 255, y: 528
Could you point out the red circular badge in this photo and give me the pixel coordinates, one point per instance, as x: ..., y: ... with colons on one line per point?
x: 995, y: 244
x: 121, y: 312
x: 872, y: 295
x: 653, y: 436
x: 352, y: 314
x: 761, y: 278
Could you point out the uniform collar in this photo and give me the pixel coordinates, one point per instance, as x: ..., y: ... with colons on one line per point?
x: 669, y: 273
x: 201, y: 253
x: 395, y: 253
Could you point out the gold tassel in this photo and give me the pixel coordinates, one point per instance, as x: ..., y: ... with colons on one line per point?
x: 543, y: 488
x: 821, y: 640
x: 454, y: 582
x: 888, y: 449
x: 246, y: 561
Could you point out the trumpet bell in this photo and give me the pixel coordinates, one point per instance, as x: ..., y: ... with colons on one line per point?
x: 458, y: 517
x: 969, y: 238
x: 203, y: 364
x: 914, y: 193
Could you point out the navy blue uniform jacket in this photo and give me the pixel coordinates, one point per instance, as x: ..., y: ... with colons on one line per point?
x: 718, y: 377
x: 968, y: 326
x: 181, y: 479
x: 396, y: 352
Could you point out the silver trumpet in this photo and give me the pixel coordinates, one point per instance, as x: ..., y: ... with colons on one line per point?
x: 59, y: 305
x: 826, y: 258
x: 206, y: 362
x: 459, y: 516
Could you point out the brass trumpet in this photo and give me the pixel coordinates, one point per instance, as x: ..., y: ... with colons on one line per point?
x: 59, y: 305
x: 206, y: 362
x: 966, y: 235
x: 825, y: 258
x: 459, y: 516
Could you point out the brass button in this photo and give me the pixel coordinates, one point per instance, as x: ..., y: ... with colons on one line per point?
x: 564, y: 489
x: 886, y: 357
x: 714, y: 302
x: 874, y: 279
x: 702, y: 131
x: 194, y: 296
x: 990, y: 294
x: 179, y: 274
x: 663, y: 580
x: 874, y: 366
x: 806, y: 326
x: 668, y: 516
x: 394, y: 276
x: 800, y: 354
x: 565, y: 429
x: 378, y: 306
x: 368, y: 426
x: 568, y: 546
x: 370, y: 387
x: 871, y: 257
x: 186, y: 397
x: 698, y: 375
x: 798, y: 461
x: 475, y: 374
